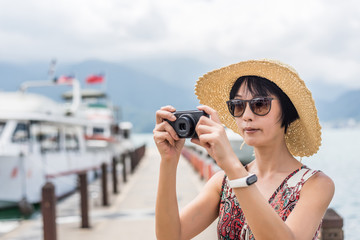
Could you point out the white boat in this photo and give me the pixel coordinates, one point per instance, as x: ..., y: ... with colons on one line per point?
x: 42, y: 140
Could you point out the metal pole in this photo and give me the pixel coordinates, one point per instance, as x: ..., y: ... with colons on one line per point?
x: 84, y: 200
x: 48, y: 210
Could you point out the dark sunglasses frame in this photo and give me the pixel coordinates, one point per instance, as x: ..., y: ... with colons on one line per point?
x: 233, y: 102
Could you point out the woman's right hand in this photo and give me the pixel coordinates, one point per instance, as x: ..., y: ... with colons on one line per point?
x: 167, y: 141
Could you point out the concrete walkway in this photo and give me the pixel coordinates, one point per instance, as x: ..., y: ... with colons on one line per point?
x: 131, y: 214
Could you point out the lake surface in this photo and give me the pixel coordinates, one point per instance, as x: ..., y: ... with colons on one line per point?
x: 338, y: 158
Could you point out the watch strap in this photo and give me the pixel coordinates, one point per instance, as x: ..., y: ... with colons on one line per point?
x: 243, y: 182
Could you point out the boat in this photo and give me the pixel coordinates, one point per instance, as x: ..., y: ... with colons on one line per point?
x: 42, y: 140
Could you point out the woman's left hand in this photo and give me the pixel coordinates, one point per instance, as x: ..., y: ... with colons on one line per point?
x: 213, y: 138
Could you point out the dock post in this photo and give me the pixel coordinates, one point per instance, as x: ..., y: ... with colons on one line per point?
x: 84, y: 200
x: 114, y: 175
x: 48, y: 210
x: 105, y: 200
x: 123, y: 162
x: 332, y: 226
x: 133, y: 156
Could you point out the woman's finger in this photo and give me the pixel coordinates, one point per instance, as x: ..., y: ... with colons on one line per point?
x: 207, y: 140
x: 163, y: 137
x: 161, y: 115
x: 168, y: 108
x: 213, y: 114
x: 203, y: 129
x: 195, y: 141
x: 166, y: 127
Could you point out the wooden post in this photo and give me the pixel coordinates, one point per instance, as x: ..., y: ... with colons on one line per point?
x: 133, y: 157
x: 48, y: 210
x: 105, y: 200
x: 84, y: 200
x: 114, y: 175
x: 332, y: 226
x: 123, y: 161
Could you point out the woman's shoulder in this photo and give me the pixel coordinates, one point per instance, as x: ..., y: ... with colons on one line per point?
x: 319, y: 184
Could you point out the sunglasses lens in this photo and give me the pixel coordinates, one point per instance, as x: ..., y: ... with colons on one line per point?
x: 260, y: 106
x: 236, y: 108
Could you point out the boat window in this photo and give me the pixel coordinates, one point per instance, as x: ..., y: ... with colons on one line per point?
x: 98, y: 131
x: 21, y: 133
x: 71, y: 141
x: 49, y: 137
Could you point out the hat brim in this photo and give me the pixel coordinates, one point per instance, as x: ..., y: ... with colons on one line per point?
x: 303, y: 137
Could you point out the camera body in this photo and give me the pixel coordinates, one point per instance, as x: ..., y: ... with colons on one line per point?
x: 185, y: 122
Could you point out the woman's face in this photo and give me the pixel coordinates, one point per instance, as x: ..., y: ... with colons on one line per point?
x: 260, y: 131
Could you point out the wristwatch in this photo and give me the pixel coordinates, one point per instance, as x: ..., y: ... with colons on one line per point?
x: 243, y: 182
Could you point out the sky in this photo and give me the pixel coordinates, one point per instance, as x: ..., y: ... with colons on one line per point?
x: 319, y: 38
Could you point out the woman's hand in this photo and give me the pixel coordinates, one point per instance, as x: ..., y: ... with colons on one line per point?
x: 213, y: 138
x: 167, y: 141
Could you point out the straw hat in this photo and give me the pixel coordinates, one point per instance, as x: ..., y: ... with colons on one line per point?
x: 303, y: 137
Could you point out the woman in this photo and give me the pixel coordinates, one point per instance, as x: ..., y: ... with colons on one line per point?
x: 273, y: 197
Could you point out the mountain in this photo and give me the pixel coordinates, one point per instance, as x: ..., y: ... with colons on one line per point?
x: 342, y: 108
x: 140, y: 88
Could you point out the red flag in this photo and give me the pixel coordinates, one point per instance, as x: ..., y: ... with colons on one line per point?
x: 93, y: 79
x: 64, y: 80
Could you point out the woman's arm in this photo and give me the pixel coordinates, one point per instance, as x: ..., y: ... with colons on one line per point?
x: 202, y: 210
x: 169, y: 146
x: 264, y: 222
x: 167, y: 213
x: 303, y: 221
x: 194, y: 217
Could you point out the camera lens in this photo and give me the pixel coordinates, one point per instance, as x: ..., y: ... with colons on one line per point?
x: 185, y: 126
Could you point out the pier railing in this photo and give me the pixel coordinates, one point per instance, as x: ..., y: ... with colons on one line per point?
x: 332, y: 225
x: 48, y: 203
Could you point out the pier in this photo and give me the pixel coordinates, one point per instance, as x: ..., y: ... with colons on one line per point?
x: 130, y: 213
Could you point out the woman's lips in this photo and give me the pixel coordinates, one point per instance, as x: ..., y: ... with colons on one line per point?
x: 250, y: 130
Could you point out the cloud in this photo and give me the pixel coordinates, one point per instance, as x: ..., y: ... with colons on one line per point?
x: 319, y: 38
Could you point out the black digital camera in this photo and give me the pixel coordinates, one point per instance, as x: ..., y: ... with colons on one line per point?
x: 185, y: 122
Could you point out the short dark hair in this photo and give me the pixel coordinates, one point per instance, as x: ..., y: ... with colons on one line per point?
x: 259, y: 86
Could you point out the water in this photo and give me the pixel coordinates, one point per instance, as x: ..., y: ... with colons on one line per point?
x: 338, y: 159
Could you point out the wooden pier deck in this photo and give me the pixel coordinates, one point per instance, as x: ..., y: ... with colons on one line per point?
x: 131, y: 214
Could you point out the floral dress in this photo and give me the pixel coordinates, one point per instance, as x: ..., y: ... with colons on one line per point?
x: 232, y: 223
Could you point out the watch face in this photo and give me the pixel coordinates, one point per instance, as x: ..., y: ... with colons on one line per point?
x: 252, y: 179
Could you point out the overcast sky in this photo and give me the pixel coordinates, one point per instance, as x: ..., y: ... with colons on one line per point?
x: 321, y: 39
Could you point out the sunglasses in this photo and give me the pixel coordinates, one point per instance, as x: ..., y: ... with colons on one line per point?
x: 259, y: 106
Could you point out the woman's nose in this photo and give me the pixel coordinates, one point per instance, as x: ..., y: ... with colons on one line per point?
x: 248, y: 114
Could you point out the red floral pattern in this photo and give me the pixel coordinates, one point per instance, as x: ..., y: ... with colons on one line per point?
x: 232, y: 223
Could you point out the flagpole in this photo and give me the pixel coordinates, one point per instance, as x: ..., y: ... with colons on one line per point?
x: 104, y: 85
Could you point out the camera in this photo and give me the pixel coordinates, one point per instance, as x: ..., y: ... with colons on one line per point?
x: 185, y: 122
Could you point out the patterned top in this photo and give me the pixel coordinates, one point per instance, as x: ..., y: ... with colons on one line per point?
x: 232, y: 223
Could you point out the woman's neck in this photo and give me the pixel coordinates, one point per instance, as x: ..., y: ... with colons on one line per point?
x: 274, y: 159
